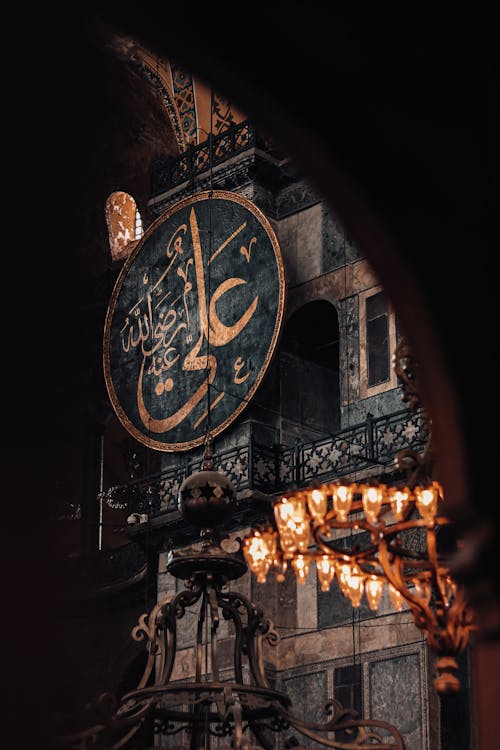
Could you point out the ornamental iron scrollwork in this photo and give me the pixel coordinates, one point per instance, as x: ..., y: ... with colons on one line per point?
x: 242, y: 707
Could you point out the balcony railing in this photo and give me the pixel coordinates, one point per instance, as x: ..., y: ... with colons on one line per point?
x: 273, y: 469
x: 173, y: 171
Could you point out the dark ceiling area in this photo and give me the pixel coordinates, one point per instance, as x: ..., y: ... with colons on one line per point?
x: 114, y: 119
x: 392, y: 116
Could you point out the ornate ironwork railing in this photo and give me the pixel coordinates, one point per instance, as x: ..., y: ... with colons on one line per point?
x: 271, y: 469
x: 158, y: 492
x: 173, y: 171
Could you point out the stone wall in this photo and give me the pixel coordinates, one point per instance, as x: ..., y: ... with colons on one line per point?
x: 378, y: 662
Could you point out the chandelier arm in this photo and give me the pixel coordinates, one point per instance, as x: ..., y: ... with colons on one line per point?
x: 199, y: 638
x: 230, y: 611
x: 142, y: 702
x: 310, y: 729
x: 406, y: 368
x: 139, y: 632
x: 452, y: 636
x: 461, y: 622
x: 171, y: 611
x: 436, y: 567
x: 257, y: 626
x: 150, y: 631
x: 164, y: 649
x: 256, y: 659
x: 325, y: 548
x: 147, y: 622
x: 255, y: 656
x: 214, y: 616
x: 233, y: 708
x: 151, y: 661
x: 147, y: 628
x: 417, y: 558
x: 421, y: 611
x: 318, y: 531
x: 412, y: 462
x: 186, y: 598
x: 364, y: 558
x: 339, y: 713
x: 413, y: 523
x: 414, y: 558
x: 169, y: 642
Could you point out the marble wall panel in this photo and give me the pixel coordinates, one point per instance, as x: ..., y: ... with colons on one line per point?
x: 309, y: 694
x: 396, y: 696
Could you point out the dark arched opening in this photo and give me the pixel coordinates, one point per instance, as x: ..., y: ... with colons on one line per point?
x: 309, y: 373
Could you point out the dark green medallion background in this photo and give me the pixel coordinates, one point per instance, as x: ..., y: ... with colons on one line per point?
x: 198, y: 305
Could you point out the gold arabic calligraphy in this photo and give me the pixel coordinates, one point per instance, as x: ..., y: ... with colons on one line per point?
x: 157, y: 333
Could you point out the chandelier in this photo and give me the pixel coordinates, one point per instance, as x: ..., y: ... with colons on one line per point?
x: 398, y: 536
x: 229, y: 702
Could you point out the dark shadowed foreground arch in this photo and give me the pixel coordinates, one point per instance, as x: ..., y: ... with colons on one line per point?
x: 390, y: 116
x: 389, y: 113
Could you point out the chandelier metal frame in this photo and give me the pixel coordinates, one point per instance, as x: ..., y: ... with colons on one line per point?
x: 403, y: 545
x: 243, y: 708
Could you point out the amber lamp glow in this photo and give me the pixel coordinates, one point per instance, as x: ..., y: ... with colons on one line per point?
x: 311, y: 525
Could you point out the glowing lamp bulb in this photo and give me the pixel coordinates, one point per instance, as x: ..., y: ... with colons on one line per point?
x: 342, y: 500
x: 396, y: 598
x: 281, y: 570
x: 399, y: 500
x: 372, y: 502
x: 351, y: 580
x: 325, y: 569
x: 283, y: 514
x: 317, y: 505
x: 374, y: 587
x: 256, y: 552
x: 426, y: 501
x: 293, y: 523
x: 448, y: 588
x: 343, y: 572
x: 301, y: 566
x: 355, y: 585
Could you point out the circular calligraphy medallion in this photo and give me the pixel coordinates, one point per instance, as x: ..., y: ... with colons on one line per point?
x: 194, y: 320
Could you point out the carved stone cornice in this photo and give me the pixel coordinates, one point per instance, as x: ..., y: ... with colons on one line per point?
x: 277, y: 188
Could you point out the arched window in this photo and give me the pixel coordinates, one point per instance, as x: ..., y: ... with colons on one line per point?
x: 124, y: 224
x: 139, y: 231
